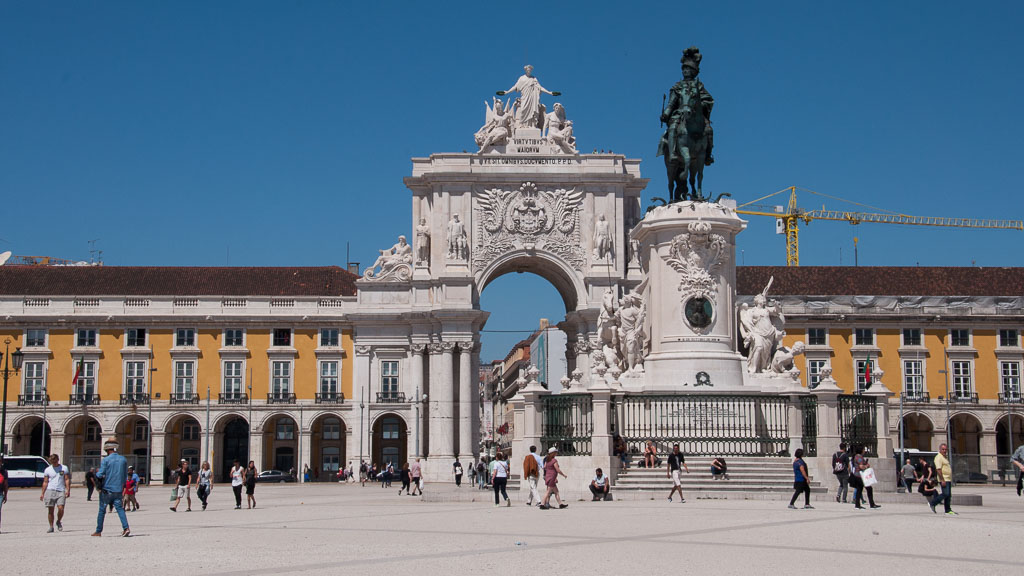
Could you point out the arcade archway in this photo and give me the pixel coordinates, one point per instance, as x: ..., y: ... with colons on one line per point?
x: 390, y: 441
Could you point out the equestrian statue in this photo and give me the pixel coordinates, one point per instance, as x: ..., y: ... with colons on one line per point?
x: 688, y: 138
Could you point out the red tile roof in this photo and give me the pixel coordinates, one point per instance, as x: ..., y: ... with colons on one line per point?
x: 881, y: 281
x: 175, y: 281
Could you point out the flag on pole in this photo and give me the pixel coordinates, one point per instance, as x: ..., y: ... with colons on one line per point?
x: 78, y: 372
x: 867, y: 373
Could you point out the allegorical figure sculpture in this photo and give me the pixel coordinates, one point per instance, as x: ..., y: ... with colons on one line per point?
x: 602, y: 239
x: 631, y: 315
x: 688, y: 138
x: 423, y: 242
x: 392, y: 263
x: 760, y: 328
x: 783, y: 360
x: 559, y: 130
x: 457, y: 247
x: 497, y: 126
x: 528, y: 115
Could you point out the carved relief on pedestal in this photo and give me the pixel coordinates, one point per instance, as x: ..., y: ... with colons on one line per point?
x: 531, y: 219
x: 698, y: 257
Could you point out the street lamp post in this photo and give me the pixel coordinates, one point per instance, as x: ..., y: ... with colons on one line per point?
x: 206, y: 458
x: 45, y: 400
x: 417, y: 400
x: 19, y: 357
x: 949, y: 442
x: 149, y: 425
x: 362, y: 405
x: 249, y: 443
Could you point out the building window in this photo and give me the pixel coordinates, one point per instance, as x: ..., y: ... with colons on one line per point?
x: 862, y: 365
x: 329, y: 337
x: 332, y: 429
x: 331, y: 458
x: 192, y: 456
x: 135, y: 337
x: 864, y: 337
x: 285, y: 430
x: 959, y: 337
x: 233, y: 379
x: 389, y: 378
x: 34, y: 379
x: 817, y: 337
x: 134, y: 377
x: 234, y: 337
x: 1010, y: 373
x: 35, y: 338
x: 190, y: 430
x: 962, y: 379
x: 282, y: 337
x: 282, y: 377
x: 86, y: 337
x: 913, y: 378
x: 86, y: 378
x: 141, y: 431
x: 184, y: 377
x: 911, y: 336
x: 93, y: 432
x: 185, y: 337
x: 389, y: 429
x: 814, y: 372
x: 329, y: 377
x: 1007, y: 338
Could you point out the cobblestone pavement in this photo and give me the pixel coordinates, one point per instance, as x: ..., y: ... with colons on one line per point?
x: 342, y: 529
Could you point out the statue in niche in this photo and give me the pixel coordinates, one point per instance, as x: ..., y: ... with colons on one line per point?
x: 688, y: 138
x: 602, y: 239
x: 423, y: 242
x: 559, y: 130
x: 528, y: 114
x: 783, y: 359
x: 457, y: 245
x: 631, y: 315
x: 761, y: 330
x: 394, y: 263
x: 497, y: 126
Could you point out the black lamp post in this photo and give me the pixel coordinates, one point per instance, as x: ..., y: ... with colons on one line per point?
x: 19, y: 357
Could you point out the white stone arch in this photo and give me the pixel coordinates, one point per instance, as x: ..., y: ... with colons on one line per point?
x: 168, y: 418
x: 308, y: 427
x: 223, y: 418
x: 569, y: 282
x: 276, y: 414
x: 121, y: 418
x: 69, y: 418
x: 385, y: 412
x: 17, y: 419
x: 977, y: 417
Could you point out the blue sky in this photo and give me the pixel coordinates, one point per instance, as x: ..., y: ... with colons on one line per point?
x: 280, y: 132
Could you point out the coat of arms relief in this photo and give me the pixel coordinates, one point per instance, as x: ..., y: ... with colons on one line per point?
x: 529, y: 218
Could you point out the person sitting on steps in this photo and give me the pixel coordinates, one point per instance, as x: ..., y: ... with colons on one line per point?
x: 719, y: 469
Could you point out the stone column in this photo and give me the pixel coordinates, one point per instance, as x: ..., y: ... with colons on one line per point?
x: 157, y: 463
x: 465, y: 401
x: 305, y: 455
x: 441, y: 401
x: 601, y: 440
x: 57, y: 446
x: 827, y: 394
x: 533, y: 410
x: 416, y: 367
x: 362, y: 390
x: 883, y: 463
x: 256, y: 447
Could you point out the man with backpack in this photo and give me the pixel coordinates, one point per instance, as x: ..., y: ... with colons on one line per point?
x: 841, y: 468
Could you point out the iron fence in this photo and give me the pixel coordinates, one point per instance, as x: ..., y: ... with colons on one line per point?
x: 857, y: 426
x: 707, y: 424
x: 809, y: 415
x: 568, y: 424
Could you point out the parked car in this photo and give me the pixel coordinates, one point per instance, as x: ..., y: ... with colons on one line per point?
x: 25, y: 470
x: 275, y: 476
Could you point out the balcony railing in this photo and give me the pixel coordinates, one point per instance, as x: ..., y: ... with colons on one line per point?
x: 330, y: 398
x: 916, y: 397
x: 33, y: 399
x: 1011, y: 397
x: 391, y: 397
x: 184, y: 398
x: 964, y: 398
x: 134, y: 398
x: 281, y: 398
x: 233, y: 398
x: 83, y: 399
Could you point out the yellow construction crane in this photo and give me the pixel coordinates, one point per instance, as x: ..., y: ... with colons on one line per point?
x: 792, y: 214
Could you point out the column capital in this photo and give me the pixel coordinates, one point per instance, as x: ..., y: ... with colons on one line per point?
x: 466, y: 345
x: 416, y: 348
x: 447, y: 347
x: 435, y: 348
x: 363, y: 350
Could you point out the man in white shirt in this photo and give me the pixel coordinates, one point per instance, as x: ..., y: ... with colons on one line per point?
x: 56, y: 489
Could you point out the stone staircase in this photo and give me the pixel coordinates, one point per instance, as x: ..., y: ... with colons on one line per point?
x: 749, y: 478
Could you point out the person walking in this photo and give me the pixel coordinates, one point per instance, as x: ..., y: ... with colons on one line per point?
x: 237, y: 479
x: 90, y: 484
x: 363, y: 473
x: 551, y: 474
x: 110, y: 481
x: 416, y: 472
x: 250, y: 484
x: 532, y: 465
x: 801, y: 481
x: 404, y: 476
x: 204, y: 484
x: 859, y: 465
x: 457, y: 471
x: 944, y: 474
x: 841, y: 470
x: 131, y: 486
x: 676, y: 463
x: 1018, y: 460
x: 56, y: 490
x: 499, y: 479
x: 185, y: 479
x: 481, y: 474
x: 909, y: 475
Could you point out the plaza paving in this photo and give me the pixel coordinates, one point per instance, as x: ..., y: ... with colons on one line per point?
x: 342, y: 529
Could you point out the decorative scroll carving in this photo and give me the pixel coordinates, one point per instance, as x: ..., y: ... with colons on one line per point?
x: 363, y: 350
x: 529, y: 218
x: 698, y: 257
x: 435, y: 348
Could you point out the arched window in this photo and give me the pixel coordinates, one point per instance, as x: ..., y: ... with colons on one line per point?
x: 332, y: 429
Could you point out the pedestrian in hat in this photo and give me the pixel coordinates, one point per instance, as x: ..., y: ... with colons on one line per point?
x: 111, y: 477
x: 551, y: 473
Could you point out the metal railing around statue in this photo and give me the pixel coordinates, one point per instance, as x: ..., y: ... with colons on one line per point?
x: 707, y: 424
x: 568, y: 424
x: 857, y: 425
x: 809, y: 415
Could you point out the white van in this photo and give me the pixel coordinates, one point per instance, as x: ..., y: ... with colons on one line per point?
x: 25, y: 470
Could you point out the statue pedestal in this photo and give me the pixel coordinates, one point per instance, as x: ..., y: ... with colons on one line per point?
x: 688, y: 250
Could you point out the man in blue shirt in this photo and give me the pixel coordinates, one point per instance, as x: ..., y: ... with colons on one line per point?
x: 111, y: 478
